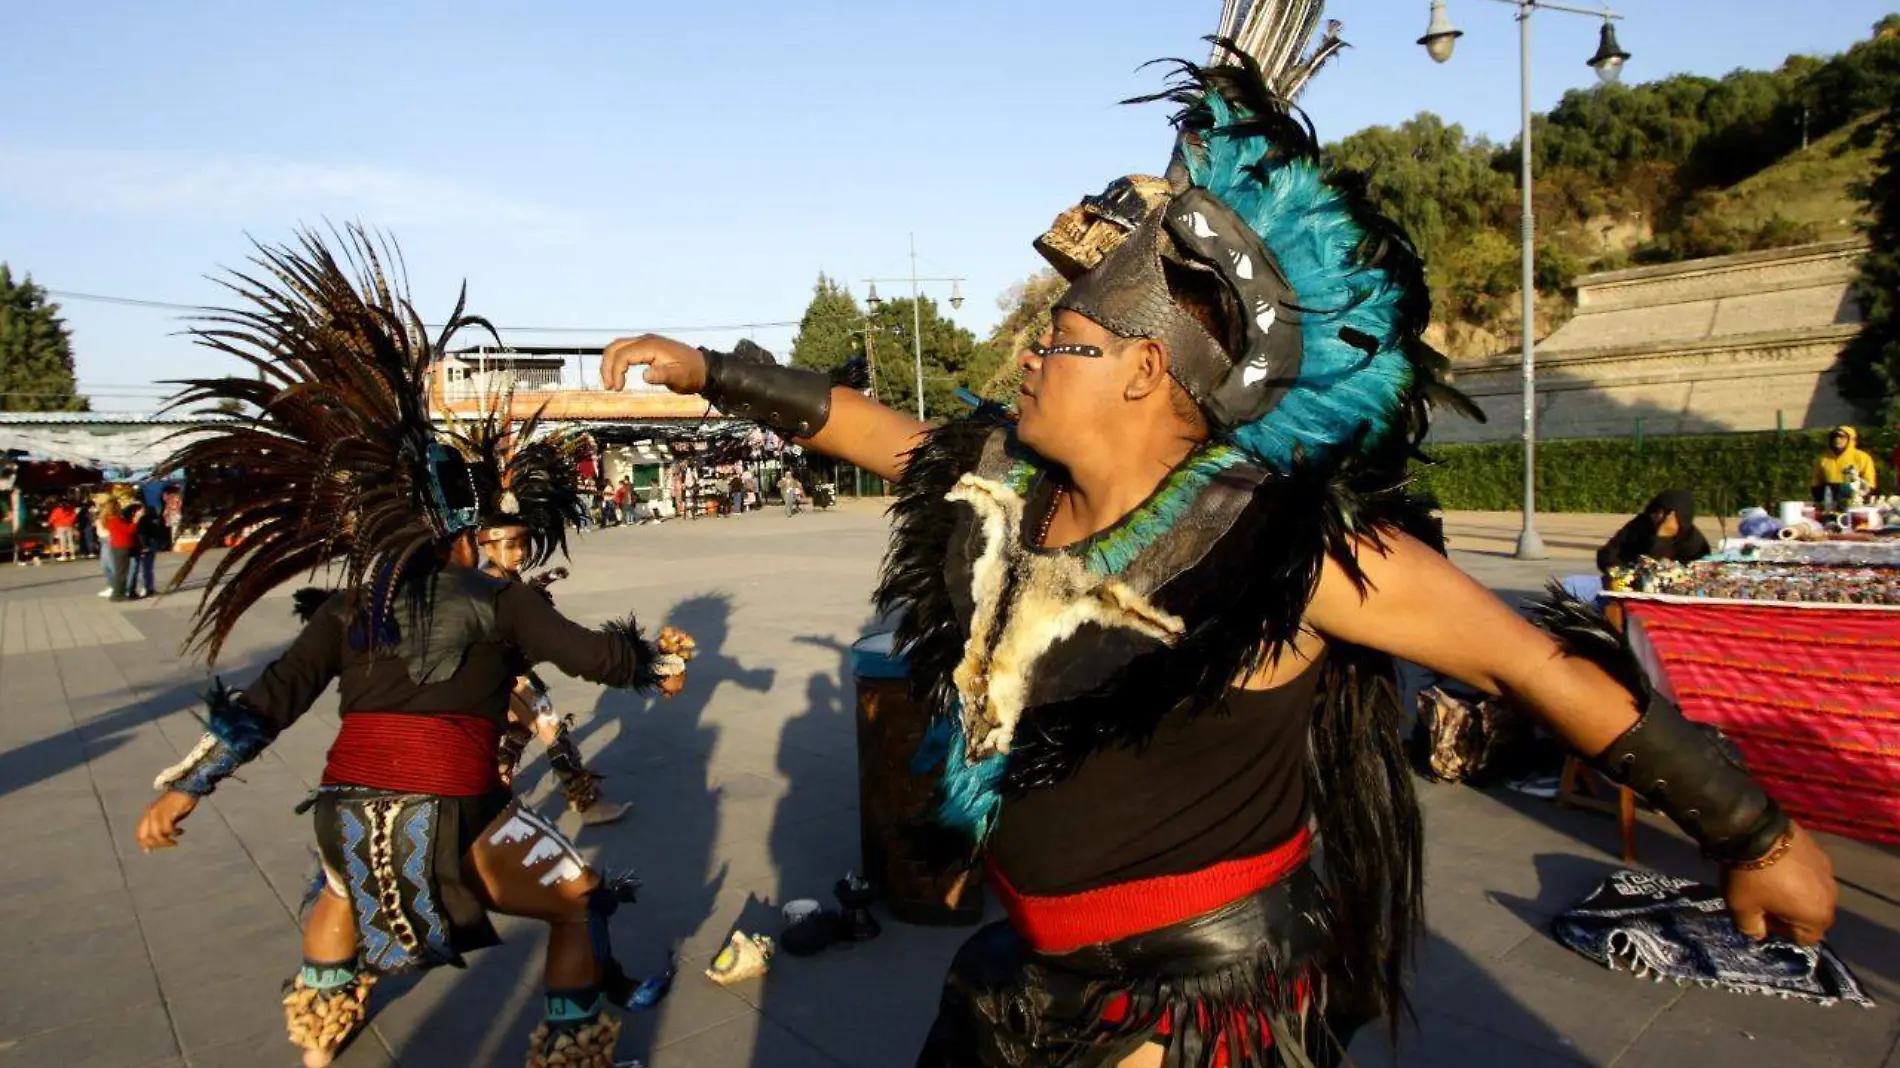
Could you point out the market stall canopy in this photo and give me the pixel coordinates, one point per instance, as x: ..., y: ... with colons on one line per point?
x: 109, y: 441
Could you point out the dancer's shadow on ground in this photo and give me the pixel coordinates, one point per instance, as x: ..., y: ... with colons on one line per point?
x: 866, y: 1003
x: 661, y: 762
x: 655, y: 754
x: 71, y: 745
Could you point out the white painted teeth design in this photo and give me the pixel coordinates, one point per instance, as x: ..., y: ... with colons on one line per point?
x: 566, y: 871
x: 1266, y: 319
x: 545, y: 848
x: 1243, y: 265
x: 515, y: 830
x: 1201, y: 229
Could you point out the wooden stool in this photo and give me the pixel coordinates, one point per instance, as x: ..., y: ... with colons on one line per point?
x: 1581, y: 788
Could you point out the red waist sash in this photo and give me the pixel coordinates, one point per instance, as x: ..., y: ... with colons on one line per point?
x: 447, y: 754
x: 1110, y: 913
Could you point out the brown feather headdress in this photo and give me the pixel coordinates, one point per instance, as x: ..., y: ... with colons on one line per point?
x: 337, y: 459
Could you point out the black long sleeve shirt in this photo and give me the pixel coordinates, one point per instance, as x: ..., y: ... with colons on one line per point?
x: 528, y: 630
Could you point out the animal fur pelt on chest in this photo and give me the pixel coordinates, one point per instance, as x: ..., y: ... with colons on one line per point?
x: 1024, y: 602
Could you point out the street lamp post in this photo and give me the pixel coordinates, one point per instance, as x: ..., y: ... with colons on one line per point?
x: 1439, y: 40
x: 916, y: 312
x: 868, y: 332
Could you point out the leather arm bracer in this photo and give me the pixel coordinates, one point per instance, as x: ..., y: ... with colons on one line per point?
x: 1687, y: 770
x: 748, y: 384
x: 1689, y: 773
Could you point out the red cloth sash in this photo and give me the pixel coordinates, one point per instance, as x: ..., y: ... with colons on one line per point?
x: 1110, y: 913
x: 445, y: 754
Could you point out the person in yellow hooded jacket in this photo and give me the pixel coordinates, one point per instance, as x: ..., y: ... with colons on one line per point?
x: 1838, y: 466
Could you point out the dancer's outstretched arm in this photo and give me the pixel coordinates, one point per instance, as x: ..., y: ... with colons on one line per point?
x: 242, y: 723
x: 614, y: 656
x: 833, y: 420
x: 1417, y: 606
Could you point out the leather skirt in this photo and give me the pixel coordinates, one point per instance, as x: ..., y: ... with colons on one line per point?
x: 1242, y: 986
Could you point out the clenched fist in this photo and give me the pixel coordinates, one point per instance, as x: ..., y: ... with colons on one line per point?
x: 158, y: 828
x: 1794, y: 897
x: 675, y: 647
x: 676, y: 642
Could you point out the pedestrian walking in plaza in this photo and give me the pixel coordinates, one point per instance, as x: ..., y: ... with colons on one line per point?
x: 119, y: 535
x: 788, y: 488
x: 152, y: 539
x: 65, y: 523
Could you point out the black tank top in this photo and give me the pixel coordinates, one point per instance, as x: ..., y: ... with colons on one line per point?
x: 1227, y: 783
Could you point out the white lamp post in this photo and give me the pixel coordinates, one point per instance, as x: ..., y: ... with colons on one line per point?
x: 1439, y: 40
x: 917, y: 314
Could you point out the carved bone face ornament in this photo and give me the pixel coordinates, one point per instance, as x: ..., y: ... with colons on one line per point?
x: 1081, y: 236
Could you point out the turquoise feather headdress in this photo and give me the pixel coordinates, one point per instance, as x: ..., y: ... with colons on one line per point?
x: 1361, y: 378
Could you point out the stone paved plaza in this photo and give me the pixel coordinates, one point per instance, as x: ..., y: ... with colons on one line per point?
x: 744, y: 795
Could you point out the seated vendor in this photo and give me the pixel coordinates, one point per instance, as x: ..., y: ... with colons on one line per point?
x: 1663, y: 530
x: 1837, y: 470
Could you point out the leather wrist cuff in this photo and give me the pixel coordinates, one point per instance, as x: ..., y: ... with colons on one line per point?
x: 787, y: 399
x: 1688, y: 773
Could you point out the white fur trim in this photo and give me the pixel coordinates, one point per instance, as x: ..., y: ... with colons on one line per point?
x: 177, y: 771
x: 1056, y: 594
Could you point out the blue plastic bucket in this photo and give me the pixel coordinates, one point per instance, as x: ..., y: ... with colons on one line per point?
x: 872, y: 658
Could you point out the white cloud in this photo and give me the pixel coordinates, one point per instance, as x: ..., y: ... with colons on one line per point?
x: 203, y: 188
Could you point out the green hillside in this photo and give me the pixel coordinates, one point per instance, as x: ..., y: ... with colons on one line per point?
x: 1811, y: 187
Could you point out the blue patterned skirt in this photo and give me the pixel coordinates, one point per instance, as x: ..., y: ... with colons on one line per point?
x: 398, y: 857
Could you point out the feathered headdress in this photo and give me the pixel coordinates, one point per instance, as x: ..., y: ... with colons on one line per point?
x: 527, y: 473
x: 1324, y: 298
x: 1366, y: 375
x: 337, y: 458
x: 1278, y: 35
x: 1275, y: 33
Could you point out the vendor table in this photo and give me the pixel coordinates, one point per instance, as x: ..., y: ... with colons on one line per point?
x: 1809, y: 693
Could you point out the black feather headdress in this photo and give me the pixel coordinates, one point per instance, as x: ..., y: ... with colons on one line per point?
x: 525, y: 476
x: 339, y: 460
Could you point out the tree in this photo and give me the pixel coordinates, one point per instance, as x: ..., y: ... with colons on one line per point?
x: 995, y: 372
x: 834, y: 329
x: 36, y: 352
x: 1870, y: 365
x: 1624, y: 173
x: 949, y: 352
x: 831, y: 330
x: 1433, y: 180
x: 1859, y: 80
x: 1441, y: 188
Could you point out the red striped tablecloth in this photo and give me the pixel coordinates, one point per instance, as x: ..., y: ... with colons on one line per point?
x: 1809, y: 694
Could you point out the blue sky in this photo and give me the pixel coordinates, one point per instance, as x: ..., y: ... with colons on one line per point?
x: 642, y: 164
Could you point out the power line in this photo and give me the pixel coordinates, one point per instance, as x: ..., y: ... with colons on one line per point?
x: 85, y: 393
x: 129, y: 301
x: 167, y: 305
